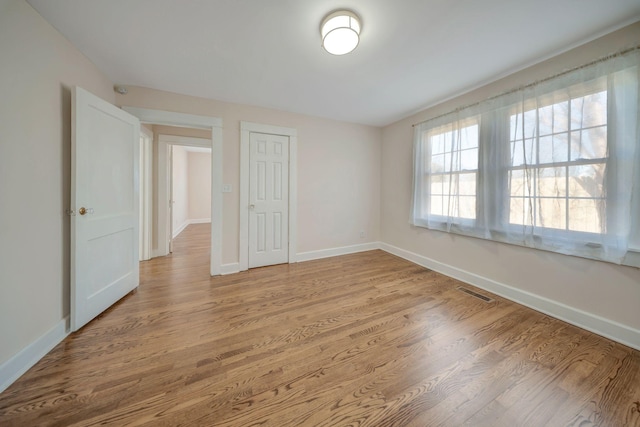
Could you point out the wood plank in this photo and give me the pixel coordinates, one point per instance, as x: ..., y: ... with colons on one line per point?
x: 366, y: 339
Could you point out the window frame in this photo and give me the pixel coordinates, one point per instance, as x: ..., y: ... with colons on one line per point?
x: 425, y: 196
x: 579, y: 90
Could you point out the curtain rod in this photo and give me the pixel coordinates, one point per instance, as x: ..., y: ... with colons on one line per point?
x: 528, y: 85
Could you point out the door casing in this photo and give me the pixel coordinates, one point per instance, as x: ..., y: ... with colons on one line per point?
x: 146, y: 218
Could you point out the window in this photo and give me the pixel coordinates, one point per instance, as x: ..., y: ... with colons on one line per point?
x: 553, y: 166
x: 453, y: 171
x: 558, y: 156
x: 448, y: 174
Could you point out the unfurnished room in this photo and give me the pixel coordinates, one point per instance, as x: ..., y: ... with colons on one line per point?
x: 320, y: 213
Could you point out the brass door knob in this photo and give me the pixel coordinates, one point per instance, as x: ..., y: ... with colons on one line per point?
x: 82, y: 211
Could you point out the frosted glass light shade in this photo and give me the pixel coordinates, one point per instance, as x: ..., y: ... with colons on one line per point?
x: 340, y: 32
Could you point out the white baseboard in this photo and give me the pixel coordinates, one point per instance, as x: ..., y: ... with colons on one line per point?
x: 344, y: 250
x: 311, y: 255
x: 180, y: 229
x: 230, y: 268
x: 591, y: 322
x: 156, y: 253
x: 199, y: 221
x: 188, y: 223
x: 15, y: 367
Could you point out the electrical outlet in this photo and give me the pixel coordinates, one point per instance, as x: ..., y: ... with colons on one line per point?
x: 363, y: 234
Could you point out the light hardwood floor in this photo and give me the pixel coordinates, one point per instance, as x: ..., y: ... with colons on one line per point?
x: 358, y: 340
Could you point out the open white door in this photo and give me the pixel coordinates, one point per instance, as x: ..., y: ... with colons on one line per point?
x: 105, y: 203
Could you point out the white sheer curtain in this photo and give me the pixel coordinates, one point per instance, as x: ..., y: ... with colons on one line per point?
x: 446, y: 169
x: 551, y: 166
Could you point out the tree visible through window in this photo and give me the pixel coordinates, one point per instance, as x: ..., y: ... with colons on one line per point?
x: 558, y: 164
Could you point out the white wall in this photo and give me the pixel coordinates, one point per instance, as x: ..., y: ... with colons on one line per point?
x: 180, y: 183
x: 37, y: 70
x: 600, y: 293
x: 338, y: 170
x: 199, y: 170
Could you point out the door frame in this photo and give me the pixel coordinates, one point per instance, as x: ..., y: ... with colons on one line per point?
x: 246, y: 128
x: 146, y: 191
x: 214, y: 124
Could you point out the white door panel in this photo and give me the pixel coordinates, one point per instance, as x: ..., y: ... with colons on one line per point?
x: 269, y: 199
x: 105, y: 180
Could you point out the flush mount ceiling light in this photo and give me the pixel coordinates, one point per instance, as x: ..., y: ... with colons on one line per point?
x: 340, y: 32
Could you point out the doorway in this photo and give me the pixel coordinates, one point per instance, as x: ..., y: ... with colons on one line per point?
x: 189, y: 189
x: 214, y: 124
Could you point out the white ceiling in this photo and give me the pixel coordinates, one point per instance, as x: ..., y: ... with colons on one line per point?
x: 412, y: 53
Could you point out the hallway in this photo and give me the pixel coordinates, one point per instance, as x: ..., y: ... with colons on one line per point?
x: 191, y: 251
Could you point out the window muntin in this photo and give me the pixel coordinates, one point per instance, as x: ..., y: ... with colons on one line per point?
x: 453, y: 170
x: 558, y: 155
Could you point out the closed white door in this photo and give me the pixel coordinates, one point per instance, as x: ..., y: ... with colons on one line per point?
x: 268, y: 199
x: 104, y: 200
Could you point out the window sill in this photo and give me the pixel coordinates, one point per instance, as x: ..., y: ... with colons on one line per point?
x: 631, y: 259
